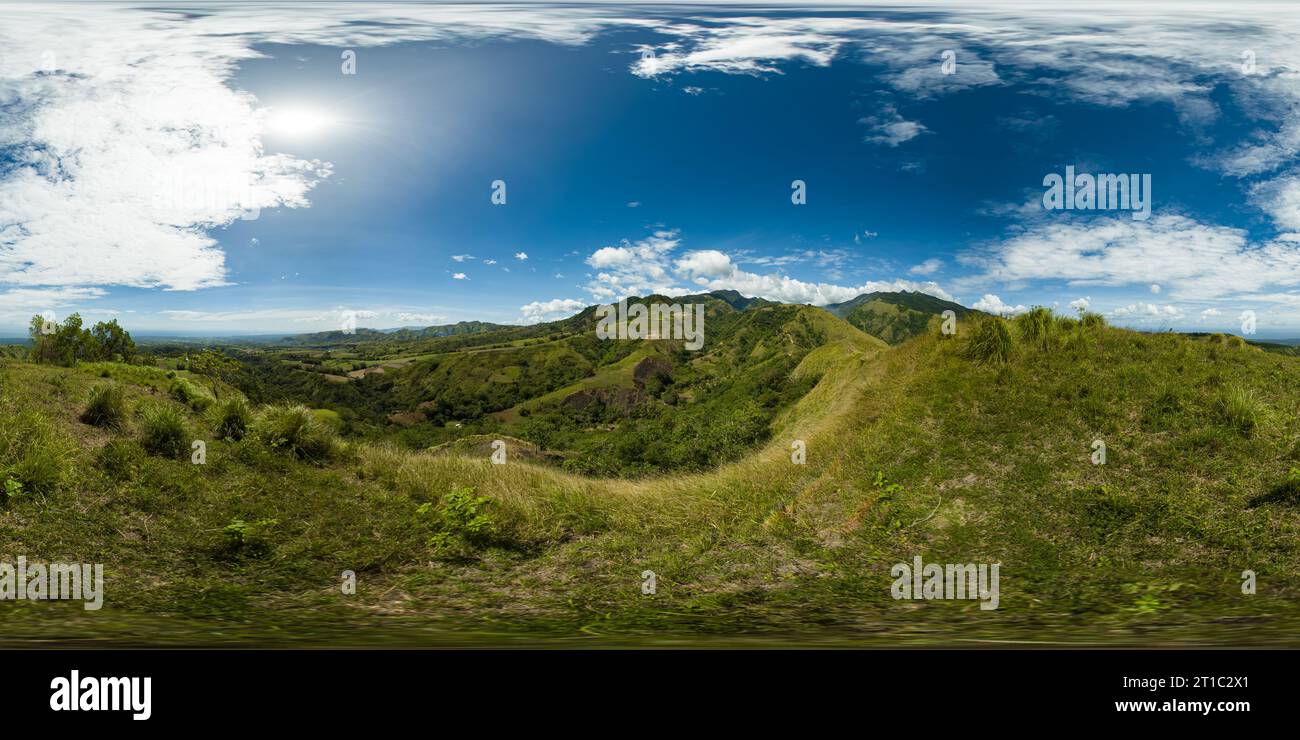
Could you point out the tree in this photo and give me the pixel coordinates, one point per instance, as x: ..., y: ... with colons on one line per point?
x: 68, y: 343
x: 114, y: 342
x: 214, y: 366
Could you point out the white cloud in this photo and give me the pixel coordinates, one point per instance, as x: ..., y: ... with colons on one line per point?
x: 459, y: 276
x: 648, y: 266
x: 1155, y: 288
x: 424, y: 319
x: 994, y: 305
x: 521, y: 256
x: 463, y: 257
x: 890, y: 128
x: 1080, y: 304
x: 1145, y: 312
x: 1192, y: 260
x: 539, y: 311
x: 928, y: 267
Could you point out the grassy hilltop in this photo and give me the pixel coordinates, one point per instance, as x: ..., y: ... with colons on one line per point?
x: 974, y: 448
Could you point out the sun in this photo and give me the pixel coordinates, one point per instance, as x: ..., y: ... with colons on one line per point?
x: 298, y: 122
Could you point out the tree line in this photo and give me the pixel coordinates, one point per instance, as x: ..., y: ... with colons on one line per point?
x: 70, y: 342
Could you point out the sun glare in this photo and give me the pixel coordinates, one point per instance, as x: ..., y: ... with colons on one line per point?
x: 298, y: 121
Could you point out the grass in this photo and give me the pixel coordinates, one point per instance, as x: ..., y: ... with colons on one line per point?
x: 164, y: 431
x: 990, y: 342
x: 298, y: 431
x: 920, y: 449
x: 107, y: 407
x: 231, y: 418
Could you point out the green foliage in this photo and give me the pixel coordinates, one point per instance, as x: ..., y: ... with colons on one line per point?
x: 163, y: 431
x: 69, y: 343
x: 990, y: 342
x: 1240, y: 408
x: 1037, y: 326
x: 184, y: 391
x: 232, y: 417
x: 215, y: 366
x: 107, y: 407
x: 460, y: 523
x: 1090, y: 320
x: 295, y: 430
x: 34, y: 454
x: 121, y: 459
x: 248, y: 538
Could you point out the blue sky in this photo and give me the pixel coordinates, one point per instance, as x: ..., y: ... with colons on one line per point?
x: 643, y: 148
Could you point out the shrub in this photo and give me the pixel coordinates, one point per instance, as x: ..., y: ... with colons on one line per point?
x: 250, y: 538
x: 184, y: 391
x: 1241, y: 409
x: 1235, y: 342
x: 232, y: 418
x: 34, y: 456
x: 1090, y: 320
x: 121, y: 458
x: 107, y: 407
x: 990, y: 342
x: 163, y: 432
x: 459, y: 521
x: 297, y: 431
x: 1036, y: 327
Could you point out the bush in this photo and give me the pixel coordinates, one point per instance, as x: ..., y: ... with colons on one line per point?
x: 107, y: 407
x: 1036, y: 327
x: 459, y: 522
x: 990, y: 342
x: 121, y: 458
x: 297, y: 431
x: 1241, y: 409
x: 232, y: 418
x: 184, y: 391
x: 1091, y: 320
x: 163, y: 432
x: 34, y: 457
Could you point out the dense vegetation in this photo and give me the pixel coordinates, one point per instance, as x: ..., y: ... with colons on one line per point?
x: 973, y: 448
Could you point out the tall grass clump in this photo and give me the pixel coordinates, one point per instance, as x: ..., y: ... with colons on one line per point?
x: 1090, y: 320
x: 297, y: 431
x: 1036, y: 327
x: 163, y: 432
x: 231, y: 418
x: 107, y: 407
x: 1241, y: 409
x: 187, y: 393
x: 34, y: 456
x: 990, y: 342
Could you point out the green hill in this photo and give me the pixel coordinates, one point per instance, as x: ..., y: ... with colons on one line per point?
x: 973, y: 449
x: 896, y: 317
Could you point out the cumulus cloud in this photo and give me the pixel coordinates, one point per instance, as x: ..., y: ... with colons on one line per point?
x: 1144, y: 312
x: 994, y: 305
x: 423, y: 319
x: 928, y: 267
x: 459, y: 276
x: 890, y: 128
x: 1080, y: 304
x: 649, y: 266
x: 539, y: 311
x: 521, y: 256
x: 1192, y: 260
